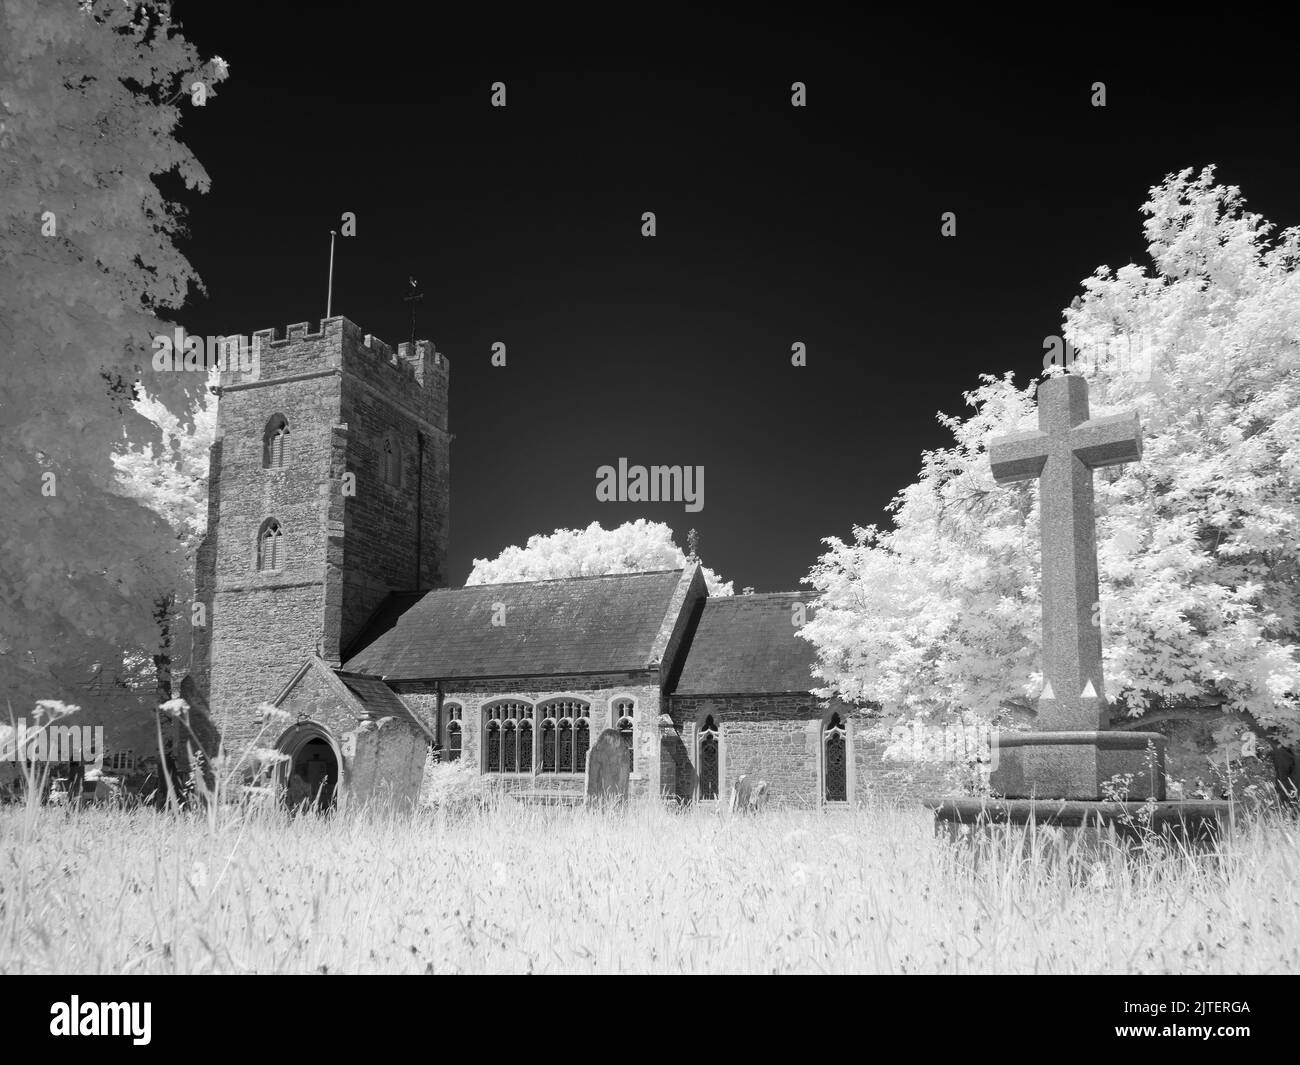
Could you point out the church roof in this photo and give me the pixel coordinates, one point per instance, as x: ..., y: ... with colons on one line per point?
x: 377, y: 697
x: 611, y: 623
x: 747, y: 644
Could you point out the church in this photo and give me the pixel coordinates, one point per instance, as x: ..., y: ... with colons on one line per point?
x: 322, y: 579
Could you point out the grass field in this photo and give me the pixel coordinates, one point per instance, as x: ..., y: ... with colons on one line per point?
x: 519, y: 888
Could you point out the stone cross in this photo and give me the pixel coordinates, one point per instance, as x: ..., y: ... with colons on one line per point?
x: 1062, y: 453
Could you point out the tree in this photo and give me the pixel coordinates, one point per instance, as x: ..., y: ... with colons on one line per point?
x: 171, y: 480
x: 633, y: 547
x: 1198, y: 544
x: 90, y: 102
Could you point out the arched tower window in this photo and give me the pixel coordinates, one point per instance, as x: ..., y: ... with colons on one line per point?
x: 453, y: 740
x: 565, y: 736
x: 390, y: 459
x: 708, y: 759
x: 270, y: 546
x: 275, y: 442
x: 835, y: 760
x: 508, y: 738
x: 623, y: 722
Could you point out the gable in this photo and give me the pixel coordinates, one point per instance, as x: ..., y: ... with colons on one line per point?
x: 340, y: 700
x: 315, y: 693
x: 747, y: 644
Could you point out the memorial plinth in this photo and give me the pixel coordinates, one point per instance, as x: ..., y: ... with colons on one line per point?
x: 1080, y: 765
x: 1196, y: 822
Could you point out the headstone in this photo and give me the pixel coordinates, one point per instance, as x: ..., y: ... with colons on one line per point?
x: 607, y: 769
x: 386, y: 766
x: 1070, y: 754
x: 747, y: 794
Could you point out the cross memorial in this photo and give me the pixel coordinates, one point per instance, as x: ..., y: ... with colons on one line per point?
x: 1070, y: 754
x: 1061, y: 454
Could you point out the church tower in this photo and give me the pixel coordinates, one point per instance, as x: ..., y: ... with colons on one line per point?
x: 328, y: 490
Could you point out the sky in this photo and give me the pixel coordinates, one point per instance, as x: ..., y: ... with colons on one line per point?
x: 775, y: 225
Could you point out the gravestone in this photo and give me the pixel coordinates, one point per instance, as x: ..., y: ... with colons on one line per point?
x: 747, y: 794
x: 607, y: 769
x: 1068, y: 769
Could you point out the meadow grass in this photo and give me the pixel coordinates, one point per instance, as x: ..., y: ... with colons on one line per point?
x: 647, y: 889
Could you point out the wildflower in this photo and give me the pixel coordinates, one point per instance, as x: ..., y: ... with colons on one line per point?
x: 174, y: 707
x: 799, y: 874
x: 53, y: 708
x: 269, y: 714
x: 199, y: 876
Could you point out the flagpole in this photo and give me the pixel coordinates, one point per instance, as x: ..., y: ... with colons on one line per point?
x: 329, y: 297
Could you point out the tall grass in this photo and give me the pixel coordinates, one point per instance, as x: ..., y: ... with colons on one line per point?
x: 531, y: 889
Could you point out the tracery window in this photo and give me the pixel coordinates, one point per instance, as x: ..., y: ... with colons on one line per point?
x: 270, y: 546
x: 508, y: 739
x: 565, y: 735
x: 708, y: 759
x: 835, y: 760
x: 454, y: 715
x: 623, y: 709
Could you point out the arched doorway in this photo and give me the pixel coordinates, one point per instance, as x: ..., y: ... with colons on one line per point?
x: 310, y: 773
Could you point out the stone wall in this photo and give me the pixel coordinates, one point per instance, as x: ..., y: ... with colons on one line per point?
x: 778, y: 738
x: 600, y: 691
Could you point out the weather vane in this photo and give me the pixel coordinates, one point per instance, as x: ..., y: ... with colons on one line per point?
x: 415, y: 297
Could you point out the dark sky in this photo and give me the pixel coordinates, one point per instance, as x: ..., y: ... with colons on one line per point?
x: 775, y: 225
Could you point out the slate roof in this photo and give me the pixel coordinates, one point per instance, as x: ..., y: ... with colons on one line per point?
x: 571, y: 625
x: 376, y: 696
x: 745, y: 645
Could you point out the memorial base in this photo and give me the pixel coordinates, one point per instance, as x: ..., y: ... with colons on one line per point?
x: 1199, y: 824
x: 1097, y: 765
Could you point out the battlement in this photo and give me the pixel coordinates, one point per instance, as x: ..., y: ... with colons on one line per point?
x: 339, y: 344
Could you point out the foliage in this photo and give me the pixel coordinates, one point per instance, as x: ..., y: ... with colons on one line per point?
x: 1198, y: 544
x: 633, y: 547
x: 90, y: 103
